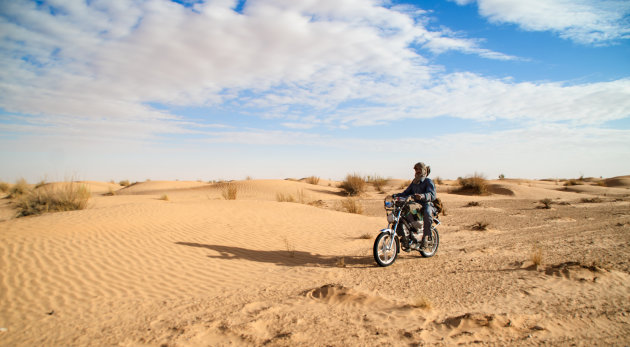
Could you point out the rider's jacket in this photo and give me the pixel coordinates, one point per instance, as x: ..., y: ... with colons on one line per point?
x: 426, y: 188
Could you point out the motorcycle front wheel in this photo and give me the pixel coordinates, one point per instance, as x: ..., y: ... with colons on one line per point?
x: 432, y: 245
x: 383, y: 254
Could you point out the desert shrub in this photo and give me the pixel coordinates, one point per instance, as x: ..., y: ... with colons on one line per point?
x: 164, y: 197
x: 423, y: 303
x: 473, y: 203
x: 352, y: 206
x: 546, y: 203
x: 290, y: 247
x: 40, y: 184
x: 111, y: 192
x: 438, y: 180
x: 229, y: 191
x: 480, y: 226
x: 20, y: 188
x: 573, y: 183
x: 341, y: 262
x: 353, y: 185
x: 378, y: 182
x: 68, y: 197
x: 312, y: 180
x: 536, y: 257
x: 4, y: 187
x: 475, y: 184
x: 124, y: 183
x: 281, y: 197
x: 501, y: 176
x: 366, y: 236
x: 591, y: 200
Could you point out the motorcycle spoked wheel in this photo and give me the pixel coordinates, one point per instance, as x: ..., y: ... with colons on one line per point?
x: 382, y: 255
x: 432, y: 246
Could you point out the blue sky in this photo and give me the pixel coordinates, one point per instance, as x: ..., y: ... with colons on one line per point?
x: 224, y: 89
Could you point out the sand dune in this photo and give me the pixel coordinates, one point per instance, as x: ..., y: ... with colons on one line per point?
x: 199, y: 270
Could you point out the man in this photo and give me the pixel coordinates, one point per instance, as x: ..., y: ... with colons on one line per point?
x: 423, y: 191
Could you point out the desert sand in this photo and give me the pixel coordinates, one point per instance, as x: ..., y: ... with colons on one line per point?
x: 135, y: 269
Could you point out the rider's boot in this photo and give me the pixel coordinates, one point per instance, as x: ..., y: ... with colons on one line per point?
x: 425, y: 241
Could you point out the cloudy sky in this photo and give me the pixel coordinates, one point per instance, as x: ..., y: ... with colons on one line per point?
x: 224, y: 89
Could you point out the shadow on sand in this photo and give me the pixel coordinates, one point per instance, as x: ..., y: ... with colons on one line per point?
x: 284, y: 257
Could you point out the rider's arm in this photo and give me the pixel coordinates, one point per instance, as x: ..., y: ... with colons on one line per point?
x: 429, y: 191
x: 405, y: 193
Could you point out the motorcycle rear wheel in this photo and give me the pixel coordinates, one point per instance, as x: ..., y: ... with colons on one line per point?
x: 432, y: 246
x: 382, y: 255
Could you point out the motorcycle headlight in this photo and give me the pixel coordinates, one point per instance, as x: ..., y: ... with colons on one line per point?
x: 390, y: 218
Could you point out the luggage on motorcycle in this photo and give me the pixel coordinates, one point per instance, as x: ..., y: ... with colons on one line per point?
x: 439, y: 207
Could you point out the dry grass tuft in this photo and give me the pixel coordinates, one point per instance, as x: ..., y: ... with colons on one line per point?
x: 164, y: 197
x: 352, y: 205
x: 312, y: 180
x: 111, y: 192
x: 290, y: 247
x: 546, y: 203
x: 68, y: 197
x: 124, y: 183
x: 537, y: 256
x: 366, y: 236
x: 4, y: 187
x: 353, y: 185
x: 378, y: 182
x: 475, y: 184
x: 480, y: 226
x: 591, y: 200
x: 423, y: 303
x: 281, y: 197
x: 229, y: 191
x: 341, y: 262
x: 21, y: 187
x: 573, y: 183
x: 473, y: 204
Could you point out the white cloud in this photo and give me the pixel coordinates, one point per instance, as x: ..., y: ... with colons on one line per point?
x: 583, y: 21
x: 332, y: 63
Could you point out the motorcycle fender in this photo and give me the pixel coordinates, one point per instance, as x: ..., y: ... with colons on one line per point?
x: 388, y: 231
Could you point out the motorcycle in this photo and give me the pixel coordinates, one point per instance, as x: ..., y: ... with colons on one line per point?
x: 404, y: 232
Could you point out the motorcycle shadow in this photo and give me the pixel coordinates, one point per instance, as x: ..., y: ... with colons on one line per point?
x: 284, y: 257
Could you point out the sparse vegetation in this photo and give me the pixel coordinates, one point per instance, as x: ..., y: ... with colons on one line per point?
x: 366, y: 236
x: 480, y: 226
x: 352, y: 205
x: 438, y: 180
x: 573, y: 183
x: 229, y: 191
x: 546, y: 203
x: 501, y: 176
x: 68, y: 197
x: 595, y: 200
x: 20, y: 188
x: 353, y: 185
x: 536, y: 257
x: 281, y: 197
x: 423, y: 303
x: 473, y: 203
x: 4, y: 187
x: 288, y: 245
x: 124, y: 183
x: 341, y: 262
x: 312, y: 180
x: 378, y: 182
x: 164, y: 197
x: 111, y: 192
x: 475, y: 184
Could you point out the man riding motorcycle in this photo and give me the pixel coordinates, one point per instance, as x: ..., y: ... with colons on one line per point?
x: 423, y: 191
